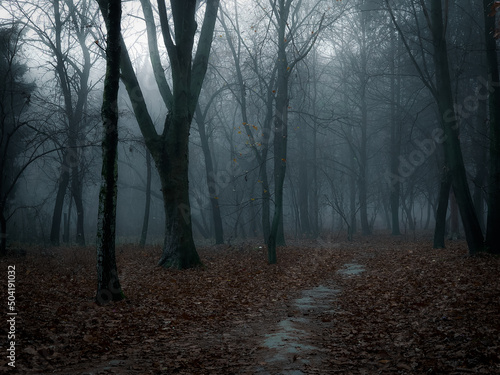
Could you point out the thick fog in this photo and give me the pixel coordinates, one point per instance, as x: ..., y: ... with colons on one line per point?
x: 364, y: 132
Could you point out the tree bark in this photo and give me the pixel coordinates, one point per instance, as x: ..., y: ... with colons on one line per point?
x: 3, y: 232
x: 171, y: 160
x: 108, y: 283
x: 493, y: 222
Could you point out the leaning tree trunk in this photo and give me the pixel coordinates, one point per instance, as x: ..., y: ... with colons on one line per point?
x: 108, y: 283
x: 452, y: 149
x: 493, y: 223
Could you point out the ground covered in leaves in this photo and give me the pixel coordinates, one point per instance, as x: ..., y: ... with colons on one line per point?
x: 413, y: 310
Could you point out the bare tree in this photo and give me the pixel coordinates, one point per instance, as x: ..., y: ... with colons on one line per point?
x: 63, y: 30
x: 20, y: 144
x: 108, y: 283
x: 169, y: 149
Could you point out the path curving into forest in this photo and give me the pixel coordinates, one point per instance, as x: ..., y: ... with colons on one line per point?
x: 289, y: 348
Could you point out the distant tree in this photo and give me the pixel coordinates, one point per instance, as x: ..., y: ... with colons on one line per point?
x: 108, y: 284
x: 63, y: 31
x: 20, y: 145
x: 285, y: 64
x: 258, y: 137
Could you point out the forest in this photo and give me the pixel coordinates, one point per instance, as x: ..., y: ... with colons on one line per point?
x: 177, y: 177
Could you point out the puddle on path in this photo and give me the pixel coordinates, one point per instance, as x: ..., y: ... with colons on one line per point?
x: 288, y: 349
x: 351, y: 269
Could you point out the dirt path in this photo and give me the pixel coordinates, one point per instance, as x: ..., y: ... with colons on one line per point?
x: 293, y: 345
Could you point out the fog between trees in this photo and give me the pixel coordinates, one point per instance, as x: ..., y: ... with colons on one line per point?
x: 314, y: 119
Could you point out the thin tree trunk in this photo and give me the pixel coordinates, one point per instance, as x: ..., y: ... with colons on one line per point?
x: 303, y: 204
x: 58, y: 207
x: 108, y: 284
x: 444, y: 193
x: 395, y: 142
x: 67, y: 222
x: 480, y: 155
x: 454, y: 227
x: 210, y: 177
x: 362, y: 181
x: 147, y: 205
x: 76, y: 189
x: 280, y: 140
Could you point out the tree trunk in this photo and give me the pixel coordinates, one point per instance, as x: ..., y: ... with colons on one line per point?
x: 444, y: 194
x: 58, y: 207
x: 493, y: 223
x: 395, y: 141
x: 305, y: 227
x: 266, y: 199
x: 108, y: 284
x: 210, y: 176
x: 147, y: 205
x: 76, y: 189
x: 454, y: 227
x: 363, y: 164
x: 453, y: 153
x: 480, y: 155
x: 3, y: 232
x: 352, y: 197
x: 67, y: 222
x: 280, y: 140
x: 171, y: 160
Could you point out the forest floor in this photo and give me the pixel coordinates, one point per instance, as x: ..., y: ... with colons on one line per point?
x: 377, y: 305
